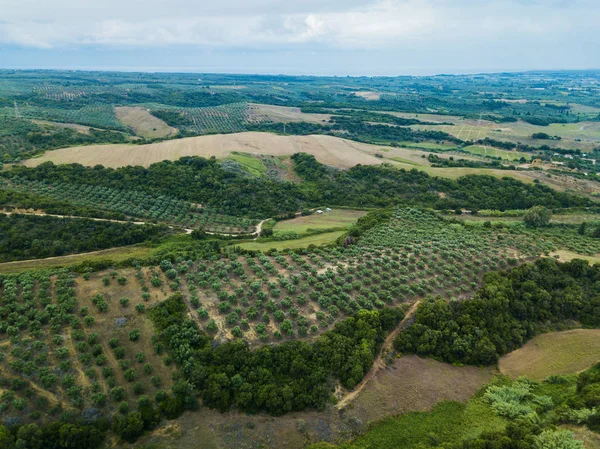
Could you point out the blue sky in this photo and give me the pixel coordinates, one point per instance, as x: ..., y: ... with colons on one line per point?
x: 327, y: 37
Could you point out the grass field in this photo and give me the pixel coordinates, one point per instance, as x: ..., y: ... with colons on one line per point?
x: 143, y: 123
x: 423, y: 383
x: 249, y: 162
x: 409, y: 384
x: 115, y: 254
x: 319, y: 239
x: 260, y: 112
x: 565, y: 352
x: 328, y: 150
x: 337, y: 218
x: 567, y: 256
x: 448, y: 421
x: 468, y: 129
x: 481, y: 150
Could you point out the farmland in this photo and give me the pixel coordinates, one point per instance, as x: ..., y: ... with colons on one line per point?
x: 166, y: 279
x: 329, y: 150
x: 337, y: 218
x: 556, y: 353
x: 143, y: 123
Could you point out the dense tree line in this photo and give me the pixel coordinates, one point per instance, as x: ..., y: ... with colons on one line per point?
x: 34, y: 236
x: 369, y: 129
x: 510, y: 308
x: 206, y: 181
x: 294, y: 375
x: 56, y: 435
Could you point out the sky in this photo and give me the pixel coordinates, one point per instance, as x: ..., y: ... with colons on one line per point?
x: 316, y: 37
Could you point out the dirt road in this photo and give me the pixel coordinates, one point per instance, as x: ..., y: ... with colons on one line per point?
x: 379, y: 362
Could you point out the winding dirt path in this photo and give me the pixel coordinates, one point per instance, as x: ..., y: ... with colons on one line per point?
x: 256, y: 233
x: 378, y: 363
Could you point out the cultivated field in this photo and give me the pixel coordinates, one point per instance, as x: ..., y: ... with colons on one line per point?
x: 317, y: 240
x: 337, y: 218
x: 468, y: 129
x: 565, y: 352
x: 261, y: 112
x: 328, y: 150
x: 143, y: 123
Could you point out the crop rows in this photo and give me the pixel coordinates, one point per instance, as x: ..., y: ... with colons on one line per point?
x: 139, y: 204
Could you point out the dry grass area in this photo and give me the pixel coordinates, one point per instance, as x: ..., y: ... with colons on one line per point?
x: 79, y: 128
x: 567, y: 256
x: 368, y: 95
x: 143, y: 123
x: 283, y: 114
x: 591, y: 440
x: 554, y: 353
x: 327, y: 149
x: 410, y: 383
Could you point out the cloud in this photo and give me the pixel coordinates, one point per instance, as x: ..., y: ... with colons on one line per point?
x: 442, y: 26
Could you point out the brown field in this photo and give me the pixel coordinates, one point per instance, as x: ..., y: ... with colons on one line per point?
x: 143, y: 123
x: 284, y: 114
x: 328, y: 150
x: 567, y: 256
x: 565, y: 352
x: 409, y: 383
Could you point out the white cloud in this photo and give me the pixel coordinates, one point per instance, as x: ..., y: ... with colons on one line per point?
x: 380, y: 24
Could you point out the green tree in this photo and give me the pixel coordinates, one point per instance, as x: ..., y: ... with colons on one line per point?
x: 537, y: 217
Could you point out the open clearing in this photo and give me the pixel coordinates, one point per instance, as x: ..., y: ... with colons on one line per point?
x: 143, y: 123
x: 319, y: 239
x: 368, y: 95
x: 328, y: 150
x: 337, y: 218
x: 565, y: 352
x: 470, y: 129
x: 79, y: 128
x: 114, y: 254
x: 408, y: 384
x: 283, y: 114
x: 567, y: 256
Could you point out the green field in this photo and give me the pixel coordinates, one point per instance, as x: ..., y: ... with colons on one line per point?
x: 337, y: 218
x: 555, y: 353
x: 319, y: 239
x: 481, y: 150
x: 253, y: 165
x: 448, y: 422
